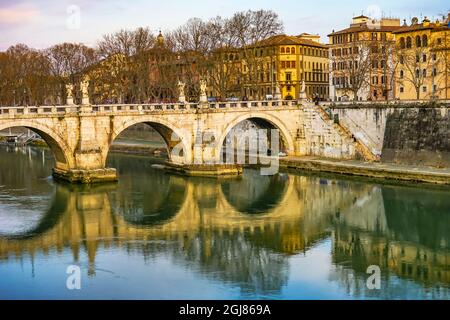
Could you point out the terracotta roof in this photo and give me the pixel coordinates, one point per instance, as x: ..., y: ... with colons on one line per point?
x: 420, y: 26
x: 360, y: 17
x: 288, y: 40
x: 365, y: 28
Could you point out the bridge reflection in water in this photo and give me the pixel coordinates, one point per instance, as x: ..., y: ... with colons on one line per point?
x: 243, y: 231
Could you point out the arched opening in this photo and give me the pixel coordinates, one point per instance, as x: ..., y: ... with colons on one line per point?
x: 425, y: 41
x: 418, y: 41
x: 254, y: 193
x: 158, y: 199
x: 22, y: 226
x: 408, y: 42
x: 150, y: 138
x: 20, y: 134
x: 254, y: 137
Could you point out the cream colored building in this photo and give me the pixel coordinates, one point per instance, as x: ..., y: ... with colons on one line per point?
x: 423, y: 59
x: 361, y: 60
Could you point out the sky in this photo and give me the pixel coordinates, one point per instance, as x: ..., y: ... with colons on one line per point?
x: 42, y: 23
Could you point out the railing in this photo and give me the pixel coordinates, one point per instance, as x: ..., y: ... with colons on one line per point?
x: 7, y: 112
x: 393, y: 103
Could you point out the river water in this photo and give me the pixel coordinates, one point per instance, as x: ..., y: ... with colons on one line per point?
x: 155, y: 235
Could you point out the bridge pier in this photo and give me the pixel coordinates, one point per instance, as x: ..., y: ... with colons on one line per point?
x: 205, y: 170
x: 86, y: 176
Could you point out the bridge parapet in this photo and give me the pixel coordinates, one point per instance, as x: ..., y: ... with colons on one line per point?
x: 12, y: 112
x: 388, y: 104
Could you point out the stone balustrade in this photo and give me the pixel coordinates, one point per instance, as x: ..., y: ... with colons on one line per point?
x: 11, y: 112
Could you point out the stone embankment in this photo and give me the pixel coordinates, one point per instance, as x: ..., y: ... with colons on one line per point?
x: 387, y: 171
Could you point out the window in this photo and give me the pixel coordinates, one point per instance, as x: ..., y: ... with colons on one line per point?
x: 288, y: 50
x: 402, y: 43
x: 288, y: 77
x: 401, y: 74
x: 283, y: 64
x: 439, y: 41
x: 434, y: 72
x: 293, y: 64
x: 408, y: 42
x: 424, y: 73
x: 434, y: 56
x: 282, y: 50
x: 417, y: 73
x: 424, y: 58
x: 425, y: 41
x: 418, y: 41
x: 292, y: 50
x: 424, y: 89
x: 402, y: 60
x: 402, y: 89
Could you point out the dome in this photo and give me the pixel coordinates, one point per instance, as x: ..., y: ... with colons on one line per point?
x: 160, y: 39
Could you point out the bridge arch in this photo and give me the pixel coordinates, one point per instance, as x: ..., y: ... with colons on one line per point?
x: 49, y: 220
x: 264, y: 120
x: 177, y: 140
x: 255, y: 193
x: 63, y: 156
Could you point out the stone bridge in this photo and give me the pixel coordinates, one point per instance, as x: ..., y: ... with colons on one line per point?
x: 80, y: 136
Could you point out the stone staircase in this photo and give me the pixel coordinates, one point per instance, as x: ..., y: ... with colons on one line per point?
x: 360, y: 147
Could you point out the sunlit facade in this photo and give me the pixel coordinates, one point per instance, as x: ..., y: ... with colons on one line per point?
x: 423, y: 59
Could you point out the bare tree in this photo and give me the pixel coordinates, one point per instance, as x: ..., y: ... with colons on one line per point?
x: 351, y: 66
x: 26, y: 76
x: 68, y: 61
x: 130, y: 50
x: 126, y: 42
x: 247, y: 30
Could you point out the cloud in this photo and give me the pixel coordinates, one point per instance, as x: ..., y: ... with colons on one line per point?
x: 18, y: 14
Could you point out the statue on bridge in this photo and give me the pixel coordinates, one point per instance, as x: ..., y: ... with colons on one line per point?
x: 277, y: 95
x: 85, y: 91
x: 69, y: 90
x: 303, y: 91
x: 181, y: 96
x: 203, y: 85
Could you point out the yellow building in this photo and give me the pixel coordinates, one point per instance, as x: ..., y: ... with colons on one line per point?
x: 279, y: 64
x: 361, y: 59
x: 423, y: 58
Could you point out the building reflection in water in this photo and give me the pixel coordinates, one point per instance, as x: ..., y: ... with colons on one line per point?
x: 243, y: 231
